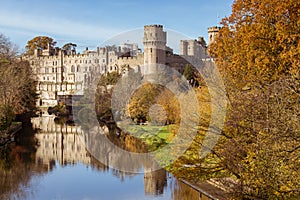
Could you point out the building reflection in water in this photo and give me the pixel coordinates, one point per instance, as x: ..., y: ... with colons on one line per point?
x: 66, y: 144
x: 59, y: 142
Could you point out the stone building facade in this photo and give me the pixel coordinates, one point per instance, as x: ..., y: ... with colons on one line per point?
x: 193, y: 48
x: 60, y: 74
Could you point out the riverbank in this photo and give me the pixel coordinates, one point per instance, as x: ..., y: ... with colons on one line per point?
x: 207, y: 190
x: 8, y: 135
x: 157, y: 136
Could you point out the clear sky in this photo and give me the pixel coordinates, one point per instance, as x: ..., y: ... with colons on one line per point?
x: 90, y: 22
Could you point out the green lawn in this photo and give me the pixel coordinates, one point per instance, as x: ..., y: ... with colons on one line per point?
x: 154, y: 136
x: 161, y: 131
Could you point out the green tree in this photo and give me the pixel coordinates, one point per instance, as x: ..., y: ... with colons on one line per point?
x: 188, y: 73
x: 69, y: 47
x: 112, y: 78
x: 39, y: 42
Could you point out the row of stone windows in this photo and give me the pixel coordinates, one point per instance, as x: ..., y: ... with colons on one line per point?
x: 83, y: 61
x: 49, y: 70
x: 78, y: 69
x: 53, y: 78
x: 55, y: 63
x: 150, y: 34
x: 48, y: 78
x: 54, y: 70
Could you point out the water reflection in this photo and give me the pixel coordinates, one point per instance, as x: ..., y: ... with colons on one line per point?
x: 53, y: 162
x: 59, y: 142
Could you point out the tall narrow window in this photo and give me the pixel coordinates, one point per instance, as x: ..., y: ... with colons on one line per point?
x: 72, y: 69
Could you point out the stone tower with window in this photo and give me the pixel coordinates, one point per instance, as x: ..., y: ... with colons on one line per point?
x: 212, y: 33
x: 154, y: 46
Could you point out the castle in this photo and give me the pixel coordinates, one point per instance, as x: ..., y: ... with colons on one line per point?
x: 62, y: 74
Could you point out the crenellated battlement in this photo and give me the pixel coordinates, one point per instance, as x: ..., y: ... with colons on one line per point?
x: 214, y: 29
x: 154, y: 26
x: 213, y: 33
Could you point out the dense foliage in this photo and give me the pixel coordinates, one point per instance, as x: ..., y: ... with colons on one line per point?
x: 258, y: 54
x: 42, y: 43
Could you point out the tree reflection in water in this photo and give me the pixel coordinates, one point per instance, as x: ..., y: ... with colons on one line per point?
x: 17, y: 167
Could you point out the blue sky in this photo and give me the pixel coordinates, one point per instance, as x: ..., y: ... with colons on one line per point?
x: 89, y: 23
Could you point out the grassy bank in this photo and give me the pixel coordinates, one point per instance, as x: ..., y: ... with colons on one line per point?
x: 154, y: 136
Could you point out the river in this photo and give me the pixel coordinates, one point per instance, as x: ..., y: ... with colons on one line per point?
x: 51, y: 160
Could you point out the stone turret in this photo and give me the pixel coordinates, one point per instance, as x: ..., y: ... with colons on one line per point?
x: 212, y: 33
x: 154, y: 45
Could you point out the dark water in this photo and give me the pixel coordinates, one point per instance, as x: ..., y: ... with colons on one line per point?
x: 51, y: 161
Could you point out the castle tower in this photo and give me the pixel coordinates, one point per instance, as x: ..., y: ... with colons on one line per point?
x: 183, y: 47
x: 212, y: 33
x: 154, y: 45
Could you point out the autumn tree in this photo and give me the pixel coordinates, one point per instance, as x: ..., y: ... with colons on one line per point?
x: 142, y: 100
x: 170, y: 104
x: 17, y: 86
x: 258, y: 54
x: 39, y: 42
